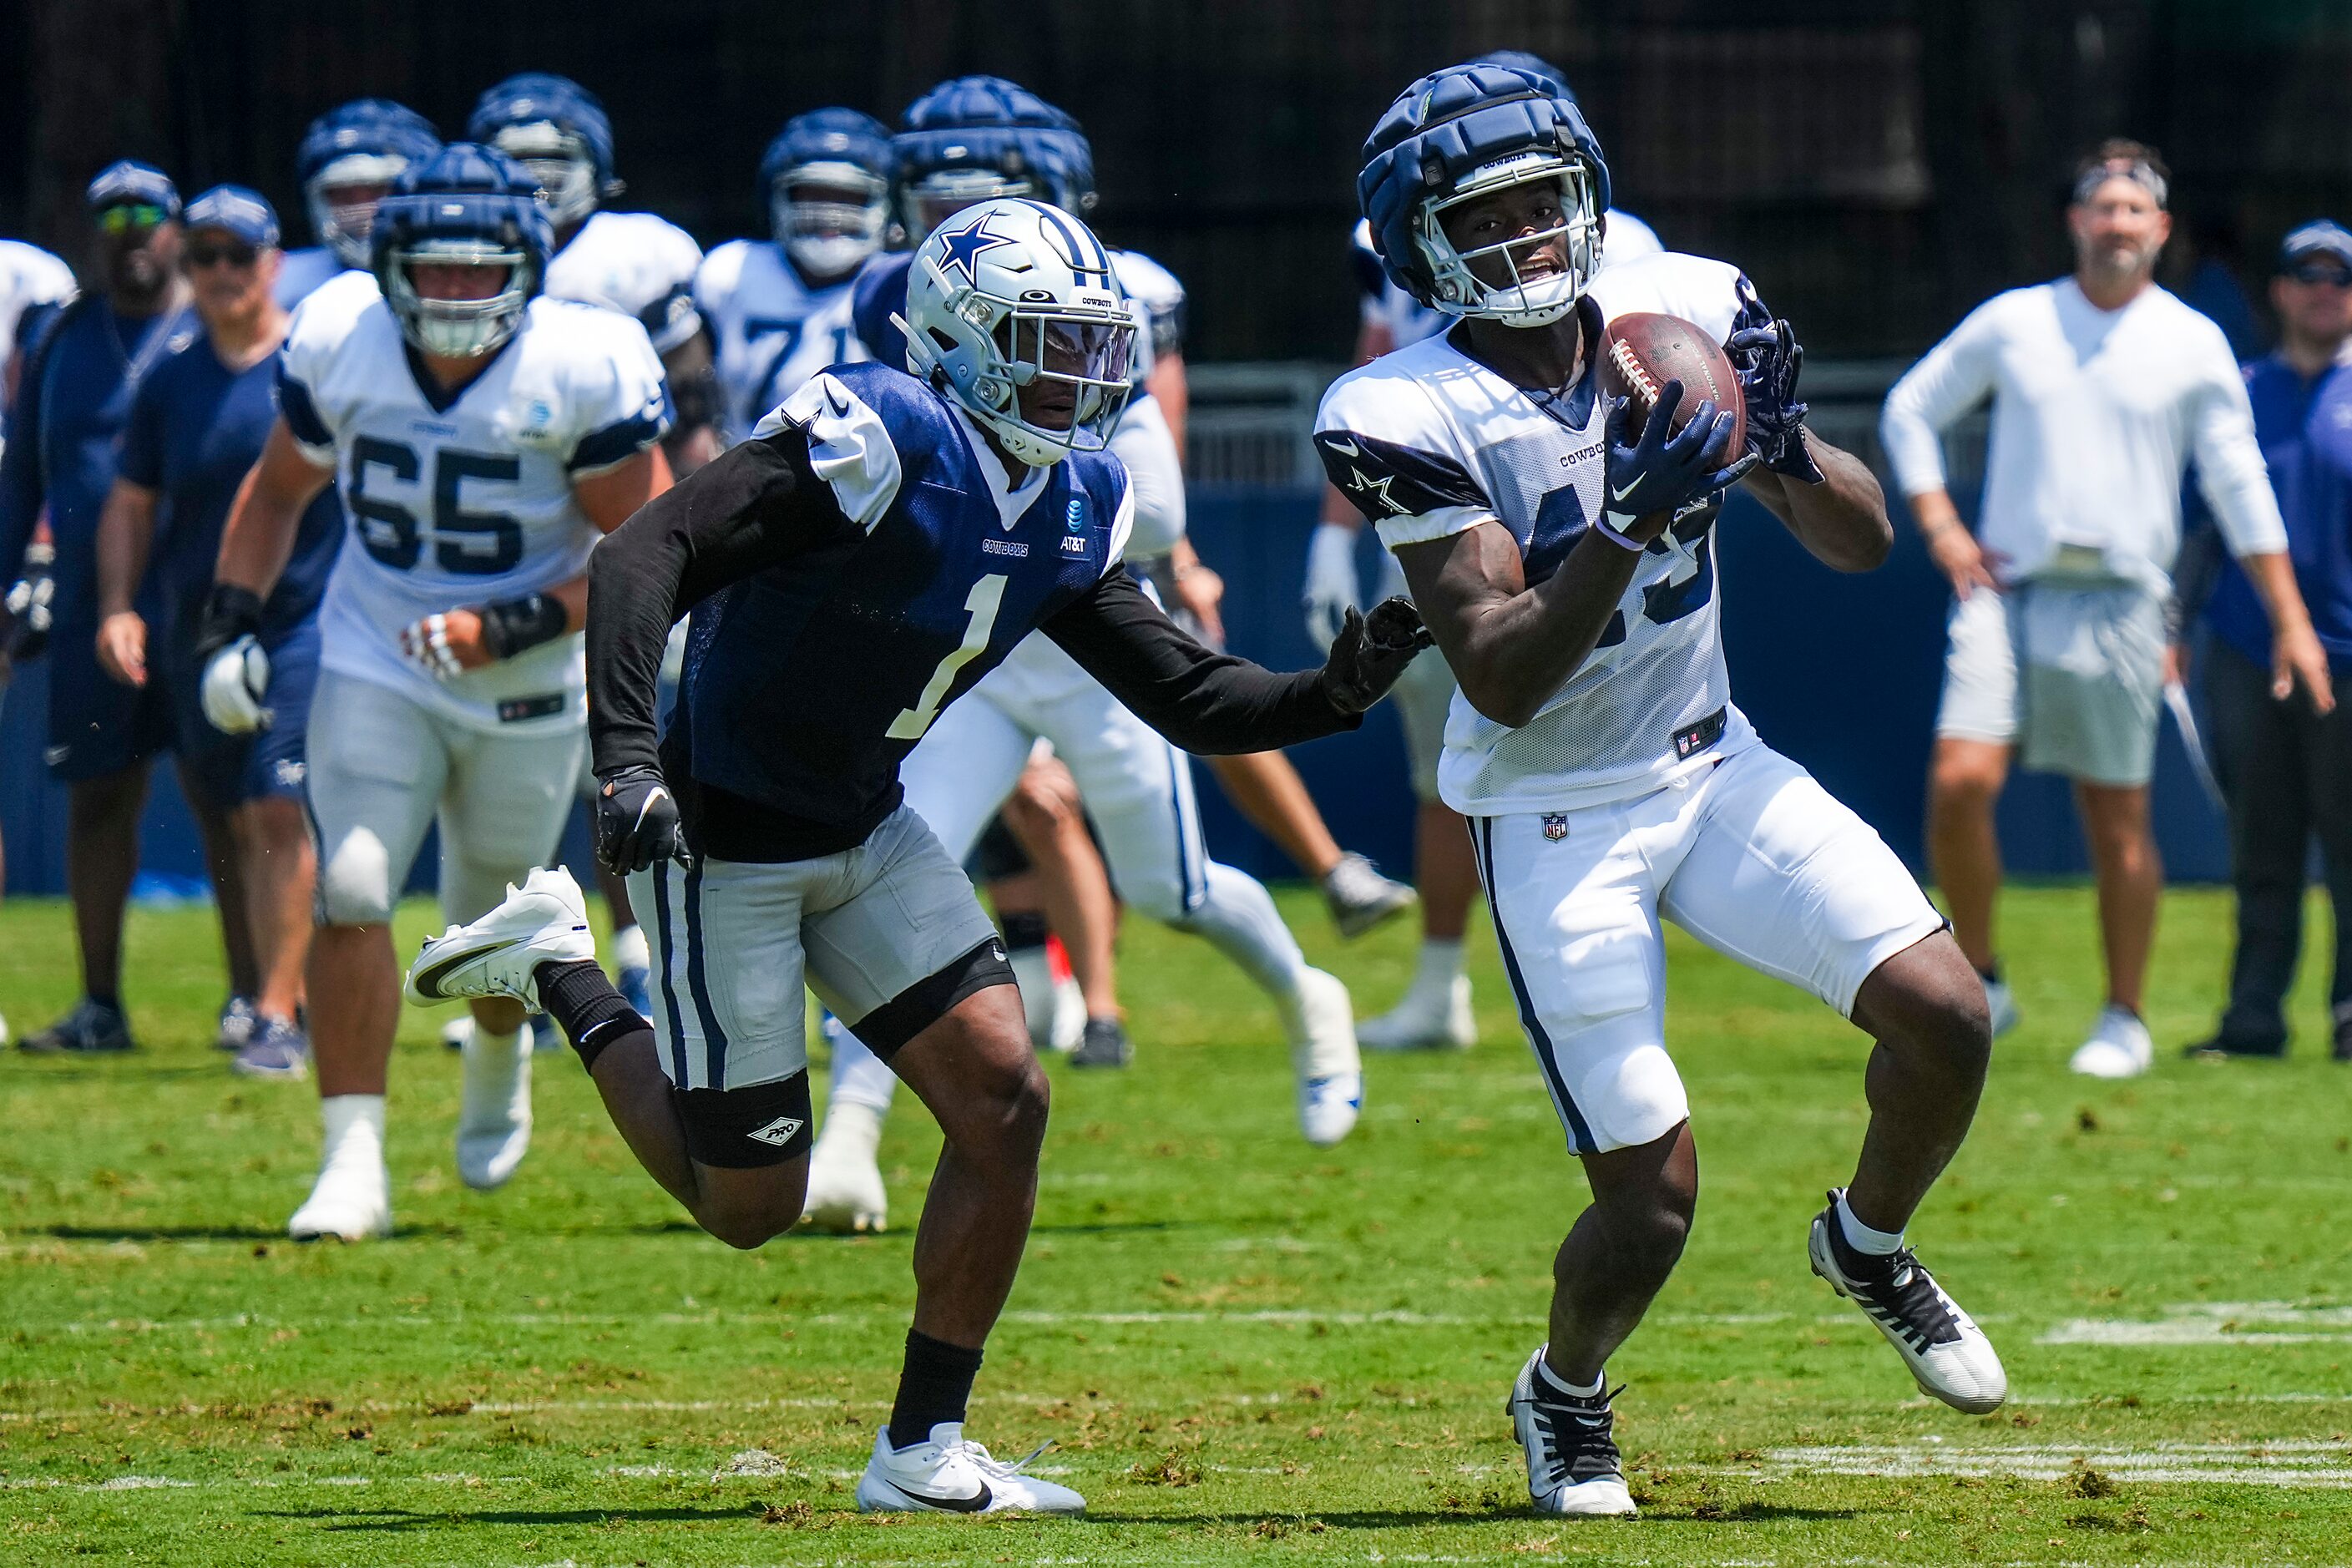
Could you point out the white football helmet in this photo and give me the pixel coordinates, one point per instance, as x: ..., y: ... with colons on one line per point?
x: 1013, y: 297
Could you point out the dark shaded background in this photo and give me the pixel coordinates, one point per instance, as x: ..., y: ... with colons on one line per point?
x: 1877, y: 165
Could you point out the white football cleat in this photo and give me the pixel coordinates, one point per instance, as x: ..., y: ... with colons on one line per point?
x: 494, y: 1115
x: 845, y: 1194
x: 946, y: 1474
x: 1573, y: 1466
x: 1948, y: 1355
x: 2119, y: 1046
x: 2001, y: 1003
x: 351, y: 1200
x: 544, y: 920
x: 1321, y: 1021
x: 1426, y: 1020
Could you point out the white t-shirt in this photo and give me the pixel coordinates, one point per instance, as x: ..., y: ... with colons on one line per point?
x: 467, y: 500
x: 637, y: 264
x: 1427, y: 442
x: 2095, y: 414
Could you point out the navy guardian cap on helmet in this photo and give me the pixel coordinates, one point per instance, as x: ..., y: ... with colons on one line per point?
x: 1465, y: 132
x: 1534, y: 65
x: 976, y: 138
x: 467, y: 206
x: 556, y: 129
x: 828, y: 154
x: 363, y: 146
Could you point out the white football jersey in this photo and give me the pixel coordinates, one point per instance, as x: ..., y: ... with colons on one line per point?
x: 634, y: 263
x: 1159, y: 301
x: 1427, y: 442
x: 466, y: 500
x: 769, y: 332
x: 301, y: 272
x: 1409, y: 320
x: 29, y: 276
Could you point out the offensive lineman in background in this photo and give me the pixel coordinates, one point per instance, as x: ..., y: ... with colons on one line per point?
x: 1566, y: 572
x: 1436, y: 1011
x: 970, y: 140
x: 637, y: 264
x: 350, y: 157
x: 484, y: 437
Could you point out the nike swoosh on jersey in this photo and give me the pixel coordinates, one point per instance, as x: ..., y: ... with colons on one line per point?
x: 1345, y: 448
x: 975, y: 1503
x: 428, y: 981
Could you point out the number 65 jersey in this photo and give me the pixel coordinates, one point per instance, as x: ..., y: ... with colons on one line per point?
x: 463, y: 500
x: 1427, y: 442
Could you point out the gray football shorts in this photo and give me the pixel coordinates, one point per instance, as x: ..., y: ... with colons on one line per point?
x: 2071, y: 674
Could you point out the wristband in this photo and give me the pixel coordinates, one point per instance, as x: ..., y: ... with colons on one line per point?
x: 1609, y: 531
x: 231, y: 611
x: 516, y: 626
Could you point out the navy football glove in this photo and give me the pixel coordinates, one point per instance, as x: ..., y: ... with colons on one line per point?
x: 637, y: 822
x: 1767, y: 360
x: 1676, y: 474
x: 1370, y: 652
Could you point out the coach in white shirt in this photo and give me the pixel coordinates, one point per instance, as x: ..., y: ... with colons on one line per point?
x: 2102, y: 386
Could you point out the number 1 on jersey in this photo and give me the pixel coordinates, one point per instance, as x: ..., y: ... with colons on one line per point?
x: 987, y: 596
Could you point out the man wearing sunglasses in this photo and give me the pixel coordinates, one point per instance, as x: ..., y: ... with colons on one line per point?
x: 196, y: 425
x: 63, y: 431
x: 2285, y: 771
x: 2102, y: 386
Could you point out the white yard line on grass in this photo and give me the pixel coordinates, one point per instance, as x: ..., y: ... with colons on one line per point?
x: 2212, y: 1323
x: 2315, y: 1464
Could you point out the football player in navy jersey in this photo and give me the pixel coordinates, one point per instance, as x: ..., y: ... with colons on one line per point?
x: 197, y: 424
x: 880, y: 544
x: 1568, y: 572
x: 349, y: 159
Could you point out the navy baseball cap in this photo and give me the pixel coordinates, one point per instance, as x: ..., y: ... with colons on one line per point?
x: 2321, y: 237
x: 234, y: 209
x: 129, y: 183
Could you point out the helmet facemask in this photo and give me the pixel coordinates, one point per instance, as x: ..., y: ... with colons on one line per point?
x: 826, y: 236
x: 1523, y: 300
x: 459, y: 329
x: 342, y: 218
x: 561, y: 162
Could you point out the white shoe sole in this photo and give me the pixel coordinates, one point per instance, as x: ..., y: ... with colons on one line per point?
x: 341, y: 1218
x: 1604, y: 1498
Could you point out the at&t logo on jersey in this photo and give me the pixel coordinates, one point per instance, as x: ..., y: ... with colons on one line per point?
x: 1073, y: 544
x: 1076, y: 519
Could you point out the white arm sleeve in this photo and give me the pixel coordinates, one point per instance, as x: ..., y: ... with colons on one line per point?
x: 1955, y: 376
x: 1155, y: 477
x: 2230, y: 467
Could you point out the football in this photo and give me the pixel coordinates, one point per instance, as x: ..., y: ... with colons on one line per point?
x: 1642, y: 351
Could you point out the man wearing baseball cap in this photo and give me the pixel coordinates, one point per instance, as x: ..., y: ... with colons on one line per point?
x: 59, y: 459
x: 2285, y: 770
x: 197, y: 424
x: 2102, y: 386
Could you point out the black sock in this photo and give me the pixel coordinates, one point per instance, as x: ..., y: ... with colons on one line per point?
x: 1024, y: 927
x: 584, y: 1003
x: 1990, y: 975
x: 934, y: 1387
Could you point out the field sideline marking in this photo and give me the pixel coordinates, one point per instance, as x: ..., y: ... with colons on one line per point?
x: 2205, y: 1323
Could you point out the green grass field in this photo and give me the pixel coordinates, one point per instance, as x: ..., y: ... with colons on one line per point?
x: 1245, y: 1350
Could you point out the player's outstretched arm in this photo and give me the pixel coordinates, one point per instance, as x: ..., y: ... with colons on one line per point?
x: 1213, y: 704
x: 267, y: 513
x: 1842, y: 520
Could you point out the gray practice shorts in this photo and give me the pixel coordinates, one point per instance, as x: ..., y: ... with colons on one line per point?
x: 1423, y: 695
x: 889, y: 935
x: 2071, y: 674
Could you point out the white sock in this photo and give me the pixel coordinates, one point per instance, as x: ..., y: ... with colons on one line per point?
x: 1440, y: 964
x: 630, y: 950
x: 1861, y: 1237
x: 354, y: 1123
x: 859, y: 1077
x: 1558, y: 1384
x: 1033, y: 971
x: 1237, y: 918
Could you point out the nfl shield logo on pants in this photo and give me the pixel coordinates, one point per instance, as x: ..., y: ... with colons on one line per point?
x: 1555, y: 826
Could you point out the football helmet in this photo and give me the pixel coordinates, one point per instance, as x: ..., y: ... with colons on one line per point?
x: 828, y: 151
x: 467, y: 205
x: 560, y: 131
x: 977, y: 138
x: 1462, y: 133
x: 365, y: 144
x: 1013, y: 295
x: 1534, y: 65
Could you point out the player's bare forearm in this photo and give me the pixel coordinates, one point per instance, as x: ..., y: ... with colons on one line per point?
x: 1512, y: 646
x: 1842, y: 520
x: 126, y: 532
x: 259, y: 538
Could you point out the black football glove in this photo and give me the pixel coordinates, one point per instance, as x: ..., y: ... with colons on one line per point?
x: 1370, y: 652
x: 637, y: 822
x: 1767, y: 360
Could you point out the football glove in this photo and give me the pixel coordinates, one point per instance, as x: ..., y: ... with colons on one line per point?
x: 637, y: 822
x: 1331, y: 590
x: 30, y: 600
x: 1370, y: 652
x: 1676, y: 474
x: 235, y: 679
x: 1767, y: 360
